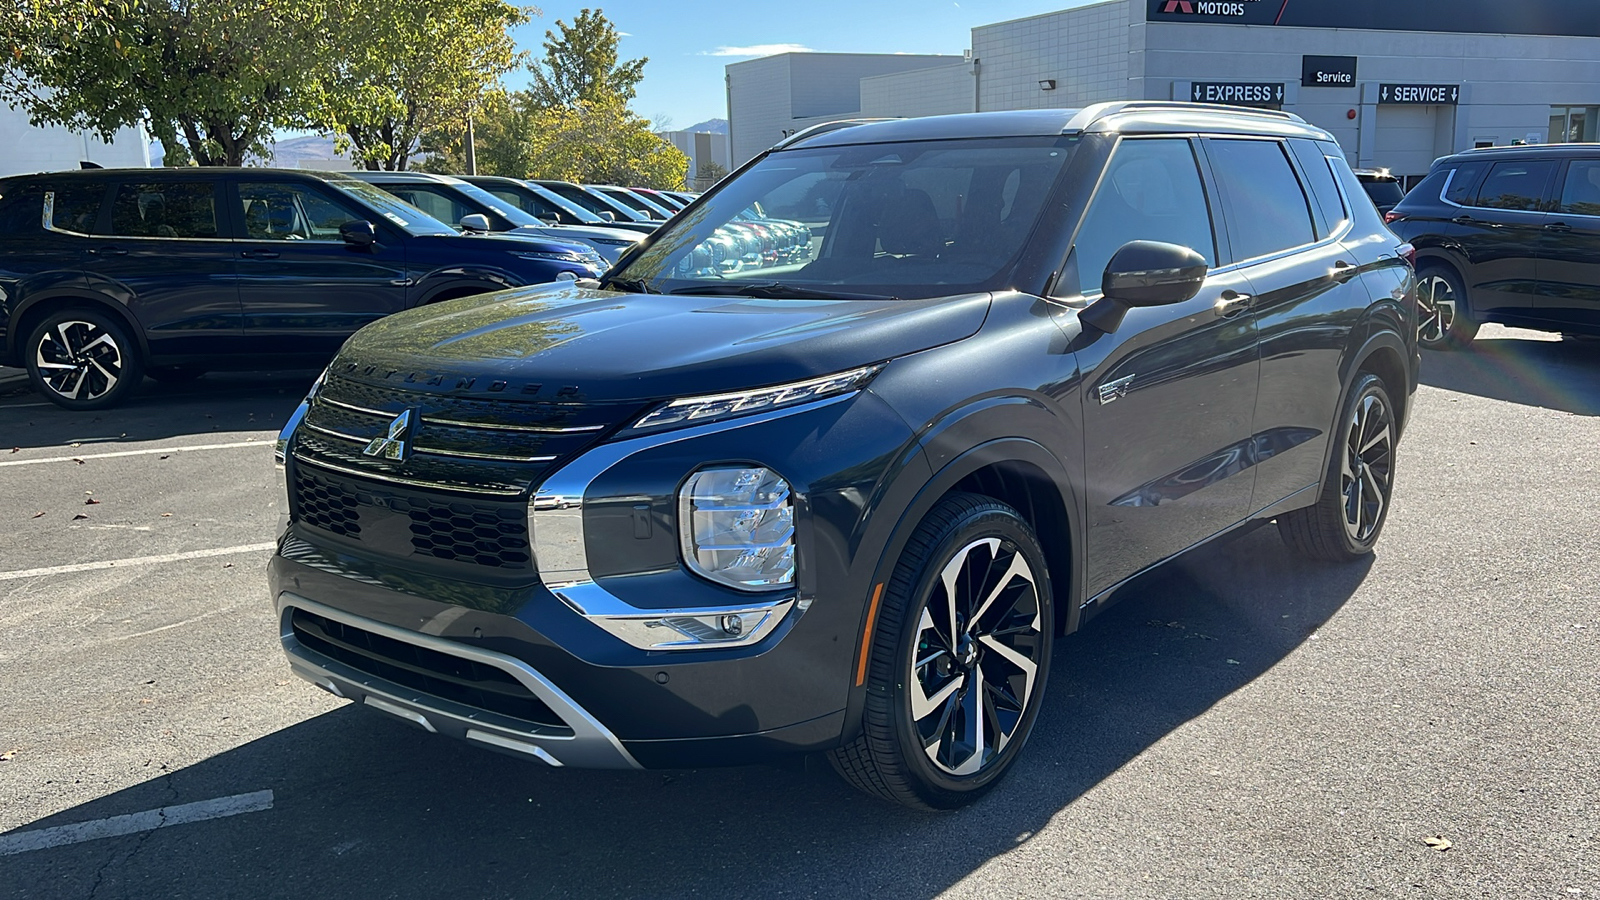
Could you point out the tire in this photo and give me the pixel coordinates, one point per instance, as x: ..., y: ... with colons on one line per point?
x: 1345, y: 522
x: 1443, y: 313
x: 1003, y: 650
x: 83, y: 359
x: 175, y: 374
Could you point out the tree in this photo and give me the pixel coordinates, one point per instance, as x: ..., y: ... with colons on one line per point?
x: 709, y: 174
x: 216, y: 76
x: 580, y: 63
x: 409, y: 67
x: 500, y: 124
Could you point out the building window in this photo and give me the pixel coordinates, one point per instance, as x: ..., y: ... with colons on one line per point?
x: 1569, y: 124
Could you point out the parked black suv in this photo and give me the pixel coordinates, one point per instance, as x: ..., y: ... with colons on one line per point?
x: 1508, y: 235
x: 110, y: 274
x: 847, y: 501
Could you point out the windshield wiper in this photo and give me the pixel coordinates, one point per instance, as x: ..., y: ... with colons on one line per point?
x: 630, y: 285
x: 775, y: 290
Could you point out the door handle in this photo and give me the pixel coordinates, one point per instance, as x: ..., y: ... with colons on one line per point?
x: 1560, y: 227
x: 1464, y: 220
x: 108, y: 251
x: 1230, y: 304
x: 259, y: 254
x: 1343, y: 270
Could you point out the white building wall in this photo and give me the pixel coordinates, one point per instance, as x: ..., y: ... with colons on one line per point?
x: 1085, y: 51
x: 921, y: 92
x: 772, y: 97
x: 25, y: 149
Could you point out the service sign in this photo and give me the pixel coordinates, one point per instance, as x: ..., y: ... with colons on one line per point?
x: 1328, y: 71
x: 1420, y: 94
x: 1267, y: 95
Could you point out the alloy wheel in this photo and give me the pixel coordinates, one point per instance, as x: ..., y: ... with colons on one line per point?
x: 1436, y: 302
x: 1368, y: 466
x: 79, y: 360
x: 976, y: 656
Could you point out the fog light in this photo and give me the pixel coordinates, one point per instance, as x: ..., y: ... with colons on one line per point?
x: 736, y: 526
x: 733, y: 626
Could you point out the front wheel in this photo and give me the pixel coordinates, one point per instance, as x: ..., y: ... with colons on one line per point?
x: 959, y: 659
x: 1348, y: 516
x: 82, y: 359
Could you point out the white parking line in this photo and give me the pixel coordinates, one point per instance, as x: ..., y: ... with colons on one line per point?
x: 136, y: 561
x: 190, y: 449
x: 149, y: 820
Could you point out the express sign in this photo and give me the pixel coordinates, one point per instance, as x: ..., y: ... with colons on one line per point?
x: 1428, y: 94
x: 1239, y: 93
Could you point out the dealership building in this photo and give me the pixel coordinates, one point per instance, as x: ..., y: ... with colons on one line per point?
x: 1397, y: 82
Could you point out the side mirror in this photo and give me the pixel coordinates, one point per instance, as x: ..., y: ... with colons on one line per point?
x: 1144, y: 273
x: 608, y: 215
x: 550, y: 220
x: 360, y: 233
x: 477, y: 223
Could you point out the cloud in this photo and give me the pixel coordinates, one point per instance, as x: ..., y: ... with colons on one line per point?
x: 624, y: 34
x: 758, y: 50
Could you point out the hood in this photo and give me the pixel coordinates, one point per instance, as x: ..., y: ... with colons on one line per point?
x: 512, y: 240
x: 576, y: 233
x: 593, y: 346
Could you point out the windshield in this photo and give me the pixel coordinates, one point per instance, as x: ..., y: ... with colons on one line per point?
x: 911, y: 220
x: 397, y: 212
x: 508, y: 211
x: 594, y: 202
x: 567, y: 206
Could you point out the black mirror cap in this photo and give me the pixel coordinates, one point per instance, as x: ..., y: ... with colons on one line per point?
x: 1153, y: 273
x: 360, y: 233
x: 477, y: 223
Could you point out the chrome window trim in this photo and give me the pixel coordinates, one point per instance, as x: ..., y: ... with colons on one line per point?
x: 591, y: 744
x: 1444, y: 190
x: 409, y: 482
x: 48, y: 218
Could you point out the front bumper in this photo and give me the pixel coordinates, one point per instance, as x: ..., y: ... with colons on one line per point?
x: 579, y: 740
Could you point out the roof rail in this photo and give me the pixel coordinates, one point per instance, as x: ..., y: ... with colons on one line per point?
x: 825, y: 127
x: 1093, y: 113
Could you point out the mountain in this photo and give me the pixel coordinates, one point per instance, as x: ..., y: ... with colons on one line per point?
x: 720, y: 126
x: 287, y: 153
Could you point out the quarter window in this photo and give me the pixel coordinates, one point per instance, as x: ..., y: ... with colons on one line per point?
x: 1320, y: 178
x: 1267, y: 208
x: 77, y: 207
x: 168, y: 209
x: 1580, y: 194
x: 1462, y: 182
x: 1515, y: 185
x: 290, y: 212
x: 1151, y: 191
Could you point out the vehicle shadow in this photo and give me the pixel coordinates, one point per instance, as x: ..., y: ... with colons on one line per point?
x: 365, y: 807
x: 1535, y: 371
x: 218, y: 403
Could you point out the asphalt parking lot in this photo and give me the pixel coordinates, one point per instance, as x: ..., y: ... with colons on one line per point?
x: 1425, y: 724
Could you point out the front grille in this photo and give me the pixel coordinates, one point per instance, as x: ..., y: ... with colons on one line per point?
x: 501, y: 445
x: 404, y: 522
x: 442, y: 675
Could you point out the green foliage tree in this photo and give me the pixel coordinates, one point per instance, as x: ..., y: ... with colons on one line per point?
x: 581, y: 64
x: 709, y: 174
x: 215, y: 76
x: 410, y: 67
x: 602, y: 141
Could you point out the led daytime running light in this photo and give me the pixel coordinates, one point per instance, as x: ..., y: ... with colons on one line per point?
x: 699, y: 409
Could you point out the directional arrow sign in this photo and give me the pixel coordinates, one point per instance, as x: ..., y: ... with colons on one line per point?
x: 1420, y: 94
x: 1265, y: 95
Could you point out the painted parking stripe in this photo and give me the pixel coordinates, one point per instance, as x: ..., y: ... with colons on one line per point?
x: 136, y: 561
x: 149, y: 820
x: 150, y: 452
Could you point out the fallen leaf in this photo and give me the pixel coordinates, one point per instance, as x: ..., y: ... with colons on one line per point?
x: 227, y: 565
x: 16, y: 449
x: 1440, y: 844
x: 6, y: 756
x: 166, y: 515
x: 146, y: 700
x: 76, y: 444
x: 166, y: 456
x: 283, y: 682
x: 1233, y: 662
x: 38, y: 514
x: 91, y: 502
x: 79, y: 516
x: 77, y: 460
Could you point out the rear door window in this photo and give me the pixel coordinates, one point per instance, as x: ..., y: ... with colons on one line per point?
x: 1580, y: 192
x: 1267, y: 209
x: 166, y: 209
x: 437, y: 203
x: 1516, y: 184
x: 1151, y: 191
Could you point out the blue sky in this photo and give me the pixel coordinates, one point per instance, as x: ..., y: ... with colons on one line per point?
x: 688, y: 42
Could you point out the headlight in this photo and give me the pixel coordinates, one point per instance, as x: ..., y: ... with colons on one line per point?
x: 736, y: 526
x: 615, y: 242
x: 693, y: 410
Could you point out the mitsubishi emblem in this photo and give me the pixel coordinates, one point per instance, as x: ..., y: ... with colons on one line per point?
x: 394, y: 445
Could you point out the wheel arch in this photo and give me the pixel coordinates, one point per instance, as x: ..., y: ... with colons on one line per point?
x: 28, y: 315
